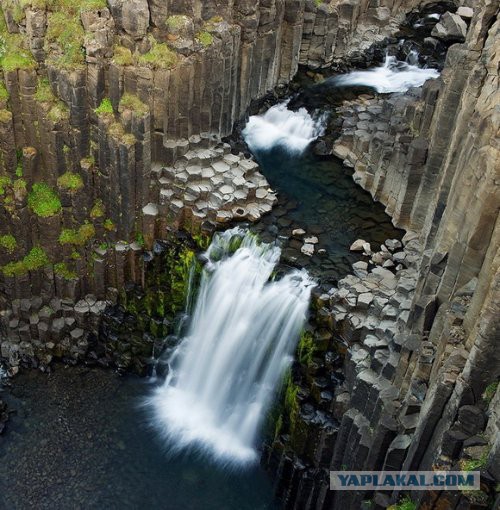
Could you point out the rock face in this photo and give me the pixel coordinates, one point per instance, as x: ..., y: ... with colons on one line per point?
x: 421, y: 368
x: 451, y: 27
x: 107, y: 151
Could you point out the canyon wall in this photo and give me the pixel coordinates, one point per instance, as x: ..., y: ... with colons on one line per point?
x: 417, y: 386
x: 111, y: 116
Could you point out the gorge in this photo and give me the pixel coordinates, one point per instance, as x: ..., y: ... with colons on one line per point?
x: 277, y: 221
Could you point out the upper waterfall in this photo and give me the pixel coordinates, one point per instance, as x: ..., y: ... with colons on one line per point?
x: 392, y: 76
x: 293, y: 130
x: 243, y: 332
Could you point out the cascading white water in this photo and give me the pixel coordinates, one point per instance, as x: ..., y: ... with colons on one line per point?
x: 292, y: 130
x: 392, y: 76
x: 241, y: 339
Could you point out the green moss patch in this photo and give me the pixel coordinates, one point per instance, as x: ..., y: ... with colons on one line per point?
x: 43, y: 92
x: 105, y: 108
x: 35, y: 259
x: 70, y: 181
x: 77, y: 237
x: 133, y: 103
x: 176, y: 22
x: 160, y: 56
x: 405, y: 504
x: 43, y: 200
x: 4, y: 95
x: 4, y: 183
x: 490, y: 391
x: 97, y: 210
x: 205, y: 38
x: 109, y: 225
x: 61, y: 269
x: 122, y: 56
x: 8, y: 242
x: 14, y: 51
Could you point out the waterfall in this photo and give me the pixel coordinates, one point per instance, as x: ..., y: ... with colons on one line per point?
x: 292, y: 130
x: 224, y: 373
x: 392, y: 76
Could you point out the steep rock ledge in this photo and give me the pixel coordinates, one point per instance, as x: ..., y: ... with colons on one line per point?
x: 421, y: 368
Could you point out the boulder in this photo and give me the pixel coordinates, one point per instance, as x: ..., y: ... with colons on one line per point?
x: 465, y: 12
x: 357, y: 245
x: 451, y: 27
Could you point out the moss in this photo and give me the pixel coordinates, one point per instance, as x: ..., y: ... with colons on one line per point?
x: 405, y: 504
x: 14, y: 53
x: 62, y: 269
x: 77, y: 237
x: 139, y: 239
x: 35, y: 259
x: 97, y: 210
x: 64, y: 28
x: 43, y: 200
x: 128, y: 139
x: 19, y: 186
x: 70, y: 181
x: 205, y: 38
x: 14, y: 269
x: 160, y: 56
x: 122, y: 56
x: 89, y: 161
x: 4, y: 95
x: 19, y: 169
x: 490, y: 391
x: 43, y: 92
x: 133, y: 103
x: 4, y: 183
x: 109, y: 225
x: 8, y: 242
x: 105, y: 108
x: 291, y: 402
x: 117, y: 131
x: 202, y: 241
x: 58, y: 112
x: 5, y: 116
x: 306, y: 348
x: 474, y: 464
x: 176, y: 22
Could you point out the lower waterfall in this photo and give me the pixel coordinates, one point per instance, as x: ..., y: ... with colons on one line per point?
x: 224, y: 373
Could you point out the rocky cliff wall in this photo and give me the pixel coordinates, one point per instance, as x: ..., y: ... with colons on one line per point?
x: 111, y: 115
x: 106, y: 149
x: 421, y: 367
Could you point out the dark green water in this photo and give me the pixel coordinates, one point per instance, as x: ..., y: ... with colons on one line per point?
x: 329, y: 204
x: 79, y: 440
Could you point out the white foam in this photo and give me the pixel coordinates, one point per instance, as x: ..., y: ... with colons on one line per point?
x: 393, y: 76
x: 279, y: 126
x: 242, y: 336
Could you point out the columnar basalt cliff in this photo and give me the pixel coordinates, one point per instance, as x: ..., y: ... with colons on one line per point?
x: 112, y: 115
x: 111, y: 121
x: 422, y: 366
